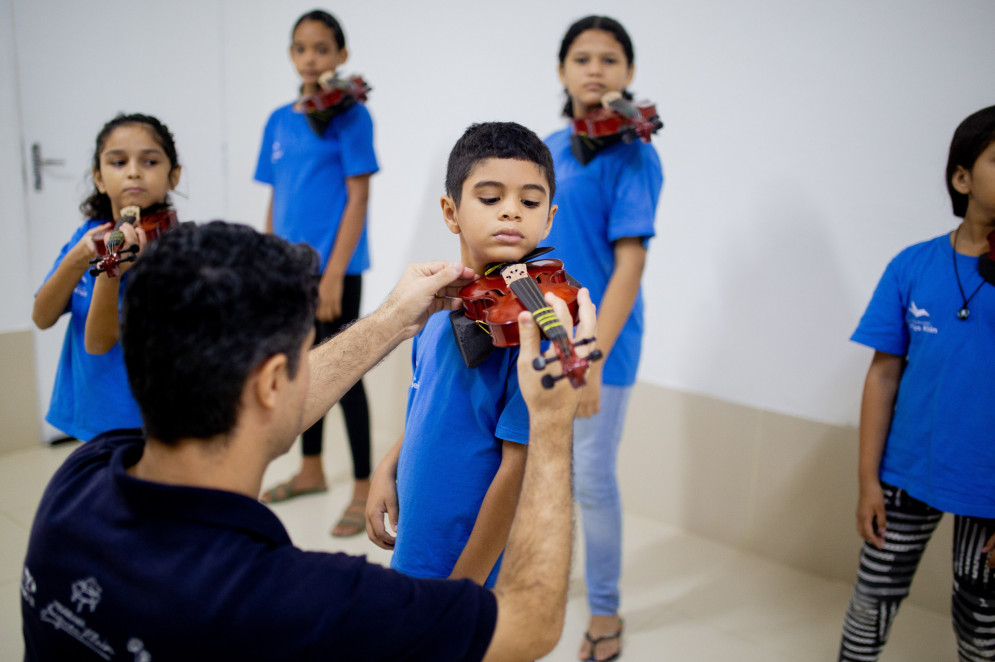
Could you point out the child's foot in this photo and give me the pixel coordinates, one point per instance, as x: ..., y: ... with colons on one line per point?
x: 353, y: 520
x: 295, y: 487
x: 603, y: 639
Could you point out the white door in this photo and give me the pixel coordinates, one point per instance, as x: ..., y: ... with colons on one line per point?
x: 78, y: 65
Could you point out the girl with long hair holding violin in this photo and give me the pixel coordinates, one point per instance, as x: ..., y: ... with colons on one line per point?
x: 607, y: 189
x: 134, y: 166
x: 317, y: 154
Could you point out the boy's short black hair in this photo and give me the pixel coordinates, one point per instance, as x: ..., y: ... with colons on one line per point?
x: 496, y: 140
x: 971, y: 138
x: 205, y: 306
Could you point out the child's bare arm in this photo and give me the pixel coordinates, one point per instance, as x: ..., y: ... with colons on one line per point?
x: 54, y: 295
x: 346, y: 239
x: 616, y: 306
x: 876, y: 407
x: 490, y: 531
x: 102, y: 322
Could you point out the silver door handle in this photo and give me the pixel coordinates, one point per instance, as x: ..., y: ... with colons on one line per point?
x: 37, y: 163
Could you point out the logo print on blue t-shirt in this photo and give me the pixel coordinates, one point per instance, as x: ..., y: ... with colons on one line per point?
x: 918, y: 320
x: 277, y: 152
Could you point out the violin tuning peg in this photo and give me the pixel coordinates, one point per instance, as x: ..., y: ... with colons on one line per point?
x: 596, y: 355
x: 548, y: 381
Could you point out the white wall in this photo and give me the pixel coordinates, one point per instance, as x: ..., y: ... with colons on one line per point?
x: 15, y: 311
x: 804, y: 146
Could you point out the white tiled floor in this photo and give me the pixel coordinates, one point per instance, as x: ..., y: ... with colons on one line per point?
x: 685, y: 598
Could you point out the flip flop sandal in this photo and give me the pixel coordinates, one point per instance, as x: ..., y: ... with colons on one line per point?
x: 608, y: 637
x: 286, y: 491
x: 355, y: 521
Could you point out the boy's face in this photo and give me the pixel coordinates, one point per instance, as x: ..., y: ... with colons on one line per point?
x: 504, y: 212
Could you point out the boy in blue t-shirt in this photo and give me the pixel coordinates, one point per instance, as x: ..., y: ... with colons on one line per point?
x: 450, y: 485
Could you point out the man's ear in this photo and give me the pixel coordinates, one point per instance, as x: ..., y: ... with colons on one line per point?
x: 98, y: 180
x: 267, y: 381
x: 961, y: 180
x: 449, y: 214
x: 549, y: 221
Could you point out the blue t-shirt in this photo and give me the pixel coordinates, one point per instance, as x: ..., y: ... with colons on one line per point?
x: 91, y: 393
x: 453, y: 431
x: 119, y: 567
x: 308, y: 173
x: 613, y: 197
x: 941, y: 446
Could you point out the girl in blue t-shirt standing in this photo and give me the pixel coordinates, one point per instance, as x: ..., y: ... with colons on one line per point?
x: 319, y: 168
x: 134, y: 163
x: 927, y: 417
x: 607, y: 192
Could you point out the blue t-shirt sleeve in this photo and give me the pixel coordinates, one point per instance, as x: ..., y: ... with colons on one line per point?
x: 513, y: 423
x: 636, y: 194
x: 264, y: 165
x: 356, y: 140
x: 883, y: 325
x: 80, y: 231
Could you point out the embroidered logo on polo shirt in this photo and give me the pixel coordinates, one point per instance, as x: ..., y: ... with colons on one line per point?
x: 28, y: 587
x: 86, y: 593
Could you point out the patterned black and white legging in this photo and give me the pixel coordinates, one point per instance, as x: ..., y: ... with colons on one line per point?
x: 885, y: 575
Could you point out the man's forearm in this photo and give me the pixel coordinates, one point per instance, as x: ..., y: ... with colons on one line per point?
x: 532, y: 586
x: 342, y: 360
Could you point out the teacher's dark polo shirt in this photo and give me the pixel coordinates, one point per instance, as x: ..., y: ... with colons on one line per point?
x: 124, y: 569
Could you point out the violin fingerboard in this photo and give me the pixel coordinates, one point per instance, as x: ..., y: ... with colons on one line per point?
x: 528, y: 292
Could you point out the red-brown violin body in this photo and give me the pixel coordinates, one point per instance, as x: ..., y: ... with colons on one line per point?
x: 335, y: 92
x: 490, y: 302
x: 111, y: 252
x: 602, y: 122
x: 496, y: 299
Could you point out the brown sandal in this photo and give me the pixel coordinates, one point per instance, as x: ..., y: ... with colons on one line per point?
x: 353, y: 520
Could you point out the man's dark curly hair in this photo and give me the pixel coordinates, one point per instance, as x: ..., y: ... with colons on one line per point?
x: 496, y: 140
x: 204, y: 307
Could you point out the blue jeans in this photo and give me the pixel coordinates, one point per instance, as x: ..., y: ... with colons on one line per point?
x: 596, y: 442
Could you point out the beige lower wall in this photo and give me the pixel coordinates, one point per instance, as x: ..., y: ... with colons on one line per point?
x: 18, y: 408
x: 775, y: 485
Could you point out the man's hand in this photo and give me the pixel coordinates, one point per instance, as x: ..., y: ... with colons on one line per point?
x: 424, y: 290
x: 562, y: 399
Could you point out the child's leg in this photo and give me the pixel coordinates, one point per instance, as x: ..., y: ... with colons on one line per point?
x: 596, y: 441
x: 885, y: 575
x: 356, y: 413
x: 973, y: 602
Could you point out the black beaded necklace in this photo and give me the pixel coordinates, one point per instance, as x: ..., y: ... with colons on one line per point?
x: 963, y: 313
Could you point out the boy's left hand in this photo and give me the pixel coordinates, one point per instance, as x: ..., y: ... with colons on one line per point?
x: 987, y: 549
